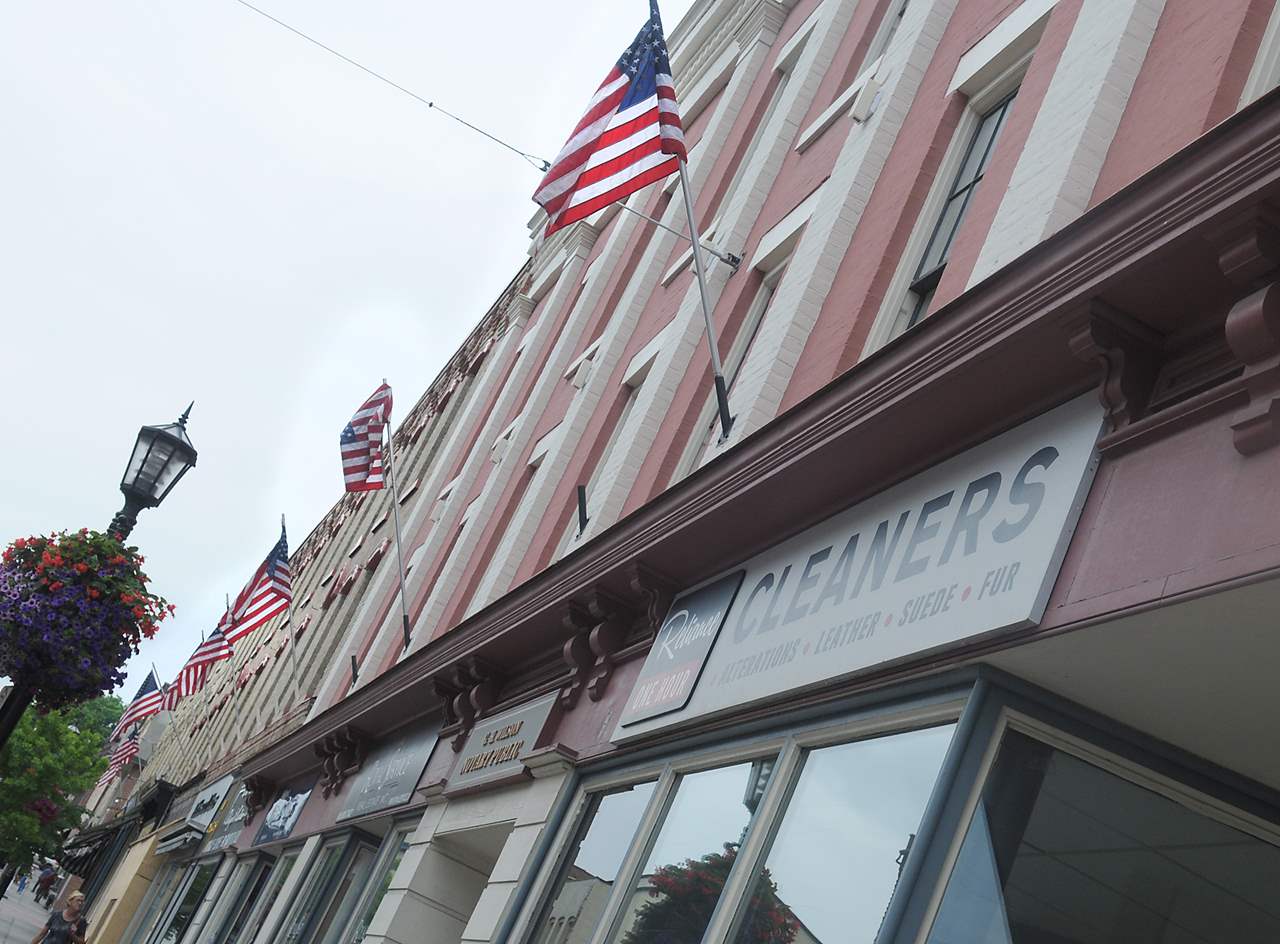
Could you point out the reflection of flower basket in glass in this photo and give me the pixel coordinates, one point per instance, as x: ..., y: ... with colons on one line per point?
x: 682, y: 898
x: 73, y: 608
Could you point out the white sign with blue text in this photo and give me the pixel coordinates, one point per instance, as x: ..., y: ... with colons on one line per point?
x: 970, y: 547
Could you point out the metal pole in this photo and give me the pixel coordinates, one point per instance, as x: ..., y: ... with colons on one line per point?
x: 293, y: 644
x: 722, y: 391
x: 395, y: 513
x: 727, y: 258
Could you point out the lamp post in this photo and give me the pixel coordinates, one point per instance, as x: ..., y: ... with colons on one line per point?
x: 160, y: 457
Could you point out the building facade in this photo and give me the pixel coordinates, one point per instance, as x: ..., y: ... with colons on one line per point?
x: 962, y: 633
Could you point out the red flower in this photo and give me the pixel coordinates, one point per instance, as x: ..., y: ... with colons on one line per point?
x: 82, y: 568
x: 93, y: 594
x: 139, y: 612
x: 56, y: 585
x: 20, y: 543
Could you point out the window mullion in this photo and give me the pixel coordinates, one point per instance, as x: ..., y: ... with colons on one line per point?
x: 646, y: 834
x: 768, y: 816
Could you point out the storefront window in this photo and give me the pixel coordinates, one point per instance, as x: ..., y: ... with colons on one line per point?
x: 244, y: 904
x: 837, y: 855
x: 317, y: 882
x: 229, y: 893
x: 344, y: 897
x: 398, y: 846
x: 602, y: 843
x: 180, y: 918
x: 1062, y: 851
x: 682, y: 877
x: 263, y: 894
x: 162, y: 890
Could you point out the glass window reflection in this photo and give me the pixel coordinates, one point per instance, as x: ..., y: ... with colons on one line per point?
x: 683, y: 875
x: 836, y: 858
x: 584, y: 889
x: 1060, y: 851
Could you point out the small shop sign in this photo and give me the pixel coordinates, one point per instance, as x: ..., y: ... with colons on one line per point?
x: 225, y: 827
x: 390, y: 773
x: 968, y: 548
x: 494, y: 747
x: 283, y: 814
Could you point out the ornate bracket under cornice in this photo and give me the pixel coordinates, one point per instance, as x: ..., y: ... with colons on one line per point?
x: 656, y: 590
x: 760, y: 22
x: 258, y: 793
x: 343, y: 753
x: 1129, y: 353
x: 468, y: 689
x: 600, y: 623
x: 1249, y: 255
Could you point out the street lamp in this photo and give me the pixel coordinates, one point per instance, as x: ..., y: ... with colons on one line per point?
x: 161, y: 456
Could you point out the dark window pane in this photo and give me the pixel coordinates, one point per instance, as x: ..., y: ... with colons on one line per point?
x: 380, y: 892
x: 835, y: 861
x: 587, y: 883
x: 191, y: 899
x: 693, y: 855
x: 978, y: 154
x: 1063, y: 852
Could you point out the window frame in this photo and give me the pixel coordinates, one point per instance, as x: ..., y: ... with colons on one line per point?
x: 982, y: 702
x: 348, y: 842
x: 404, y: 828
x: 788, y: 747
x: 897, y: 308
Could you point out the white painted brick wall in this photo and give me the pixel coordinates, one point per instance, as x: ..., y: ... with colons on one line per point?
x: 385, y: 578
x: 655, y: 396
x: 1073, y: 129
x: 797, y: 302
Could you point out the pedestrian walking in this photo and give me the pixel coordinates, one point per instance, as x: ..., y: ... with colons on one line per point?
x: 22, y: 880
x: 67, y: 926
x: 44, y: 884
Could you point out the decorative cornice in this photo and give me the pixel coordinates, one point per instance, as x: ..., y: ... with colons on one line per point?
x: 1015, y: 314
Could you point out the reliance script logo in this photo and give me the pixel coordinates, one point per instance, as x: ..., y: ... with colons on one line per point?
x: 683, y: 629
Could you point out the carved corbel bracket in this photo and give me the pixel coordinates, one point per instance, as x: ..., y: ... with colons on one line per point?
x: 474, y: 684
x: 1249, y: 256
x: 657, y: 592
x: 342, y: 754
x: 258, y: 793
x: 1129, y: 353
x: 599, y: 622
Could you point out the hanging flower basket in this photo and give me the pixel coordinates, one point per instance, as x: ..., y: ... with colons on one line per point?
x: 73, y: 608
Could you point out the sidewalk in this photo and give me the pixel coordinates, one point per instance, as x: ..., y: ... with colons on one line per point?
x: 20, y: 917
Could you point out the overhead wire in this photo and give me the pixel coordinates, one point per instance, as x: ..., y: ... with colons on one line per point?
x: 533, y: 160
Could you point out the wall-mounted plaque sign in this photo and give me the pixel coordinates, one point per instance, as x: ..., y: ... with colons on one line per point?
x: 283, y: 814
x: 681, y: 648
x: 390, y: 772
x: 495, y: 745
x: 968, y: 548
x: 229, y: 821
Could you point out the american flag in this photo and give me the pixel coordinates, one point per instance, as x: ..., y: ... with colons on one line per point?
x: 146, y: 703
x: 629, y: 137
x: 362, y: 443
x: 268, y: 593
x: 126, y: 752
x: 195, y: 673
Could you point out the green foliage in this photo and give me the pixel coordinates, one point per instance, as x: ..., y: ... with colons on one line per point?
x: 48, y: 762
x: 684, y: 896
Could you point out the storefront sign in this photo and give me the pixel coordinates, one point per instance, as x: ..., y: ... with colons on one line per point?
x: 494, y: 746
x: 389, y: 773
x: 283, y: 814
x: 680, y: 649
x: 194, y: 823
x: 969, y: 548
x: 207, y: 802
x: 229, y: 821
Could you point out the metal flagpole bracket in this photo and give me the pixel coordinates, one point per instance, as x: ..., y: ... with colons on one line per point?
x: 728, y: 258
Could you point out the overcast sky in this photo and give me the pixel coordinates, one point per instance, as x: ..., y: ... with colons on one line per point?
x: 197, y: 204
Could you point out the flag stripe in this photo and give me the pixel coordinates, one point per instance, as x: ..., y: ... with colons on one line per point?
x: 622, y: 142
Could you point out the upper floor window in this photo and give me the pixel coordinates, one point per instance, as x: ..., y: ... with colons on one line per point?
x: 977, y: 155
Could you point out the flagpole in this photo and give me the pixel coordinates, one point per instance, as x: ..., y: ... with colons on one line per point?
x: 722, y: 391
x: 293, y: 641
x: 395, y: 512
